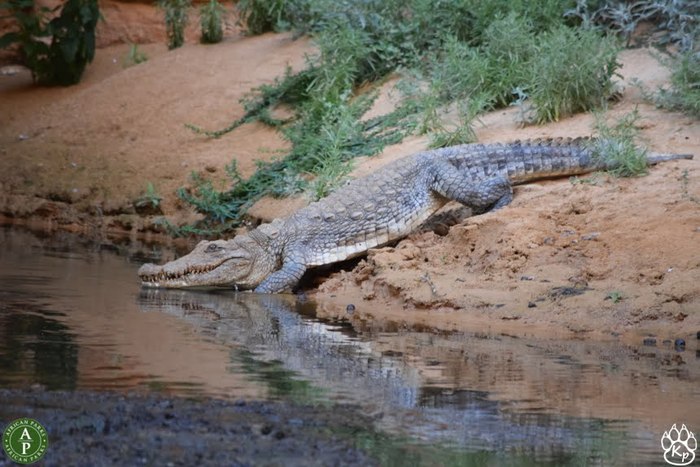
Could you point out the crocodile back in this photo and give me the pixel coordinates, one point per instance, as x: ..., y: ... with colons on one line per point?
x: 365, y: 213
x: 395, y: 200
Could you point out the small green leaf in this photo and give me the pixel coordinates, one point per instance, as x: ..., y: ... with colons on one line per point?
x: 8, y: 39
x: 69, y: 48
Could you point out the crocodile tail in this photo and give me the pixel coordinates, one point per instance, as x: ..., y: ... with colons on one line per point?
x: 535, y: 159
x: 549, y: 158
x: 657, y: 158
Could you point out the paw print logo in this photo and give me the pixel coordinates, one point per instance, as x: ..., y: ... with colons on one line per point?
x: 679, y: 445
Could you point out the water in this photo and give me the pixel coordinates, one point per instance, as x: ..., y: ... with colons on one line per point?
x: 72, y: 316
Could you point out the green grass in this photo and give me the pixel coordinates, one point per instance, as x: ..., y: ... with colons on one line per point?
x: 134, y: 56
x: 211, y: 19
x: 571, y: 71
x: 674, y: 22
x: 259, y: 16
x: 175, y: 15
x: 617, y: 147
x: 684, y: 93
x: 462, y: 130
x: 615, y: 296
x: 150, y: 198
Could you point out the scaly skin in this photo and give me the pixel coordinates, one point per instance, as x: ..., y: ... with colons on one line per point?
x: 373, y: 211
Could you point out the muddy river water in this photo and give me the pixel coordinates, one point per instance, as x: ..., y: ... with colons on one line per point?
x: 73, y: 317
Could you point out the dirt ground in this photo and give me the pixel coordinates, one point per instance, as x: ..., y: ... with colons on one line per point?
x: 594, y: 257
x: 88, y: 428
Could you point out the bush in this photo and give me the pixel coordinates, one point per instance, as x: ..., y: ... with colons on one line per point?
x: 134, y: 56
x: 175, y: 21
x: 678, y: 20
x: 211, y: 20
x: 259, y: 16
x: 72, y: 45
x: 615, y: 145
x: 684, y: 94
x: 494, y: 69
x: 572, y: 71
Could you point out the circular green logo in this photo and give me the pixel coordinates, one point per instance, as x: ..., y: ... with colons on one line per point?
x: 25, y: 441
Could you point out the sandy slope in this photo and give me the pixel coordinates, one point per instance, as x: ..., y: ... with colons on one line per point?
x: 80, y: 156
x: 549, y: 262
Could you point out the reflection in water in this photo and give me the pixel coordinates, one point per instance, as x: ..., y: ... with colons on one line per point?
x: 269, y: 337
x: 35, y: 348
x: 479, y: 392
x: 73, y: 316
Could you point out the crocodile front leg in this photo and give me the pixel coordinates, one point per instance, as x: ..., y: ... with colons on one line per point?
x: 283, y: 279
x: 488, y: 194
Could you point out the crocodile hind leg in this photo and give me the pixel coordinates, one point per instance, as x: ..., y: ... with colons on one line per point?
x: 488, y: 194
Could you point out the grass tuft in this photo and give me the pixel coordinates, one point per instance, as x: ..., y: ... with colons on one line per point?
x: 175, y: 12
x: 134, y: 56
x: 149, y: 199
x: 211, y: 18
x: 616, y: 147
x: 684, y: 93
x: 259, y: 16
x: 677, y: 21
x: 572, y: 72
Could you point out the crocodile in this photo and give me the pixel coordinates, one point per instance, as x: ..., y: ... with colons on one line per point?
x: 375, y: 210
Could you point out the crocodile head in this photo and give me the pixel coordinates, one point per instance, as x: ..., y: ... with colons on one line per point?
x: 241, y: 262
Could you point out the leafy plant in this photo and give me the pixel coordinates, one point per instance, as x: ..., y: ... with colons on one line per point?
x: 259, y: 16
x: 678, y: 19
x: 572, y: 72
x: 684, y: 93
x: 207, y: 200
x: 211, y: 20
x: 56, y: 51
x: 134, y: 56
x: 615, y: 145
x: 150, y: 199
x: 615, y: 296
x: 463, y: 131
x: 331, y: 174
x: 175, y: 20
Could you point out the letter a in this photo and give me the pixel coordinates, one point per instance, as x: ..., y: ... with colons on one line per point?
x: 25, y: 435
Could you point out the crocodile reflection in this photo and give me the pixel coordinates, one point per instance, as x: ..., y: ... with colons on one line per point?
x: 331, y: 357
x: 268, y: 328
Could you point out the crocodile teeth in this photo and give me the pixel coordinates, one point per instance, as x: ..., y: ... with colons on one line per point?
x: 170, y: 276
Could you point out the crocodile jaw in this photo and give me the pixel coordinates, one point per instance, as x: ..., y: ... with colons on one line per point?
x: 241, y: 263
x: 171, y: 276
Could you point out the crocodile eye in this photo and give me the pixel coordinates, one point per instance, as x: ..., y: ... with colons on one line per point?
x: 212, y: 248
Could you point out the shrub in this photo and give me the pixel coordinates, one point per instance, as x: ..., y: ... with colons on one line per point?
x: 175, y: 21
x: 678, y: 20
x: 615, y: 145
x: 684, y: 93
x: 259, y: 16
x: 211, y: 20
x: 134, y: 56
x: 572, y: 72
x: 72, y: 44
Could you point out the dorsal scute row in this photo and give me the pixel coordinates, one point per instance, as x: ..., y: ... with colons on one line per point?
x: 552, y: 142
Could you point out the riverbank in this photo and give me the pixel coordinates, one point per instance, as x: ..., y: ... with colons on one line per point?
x: 594, y: 257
